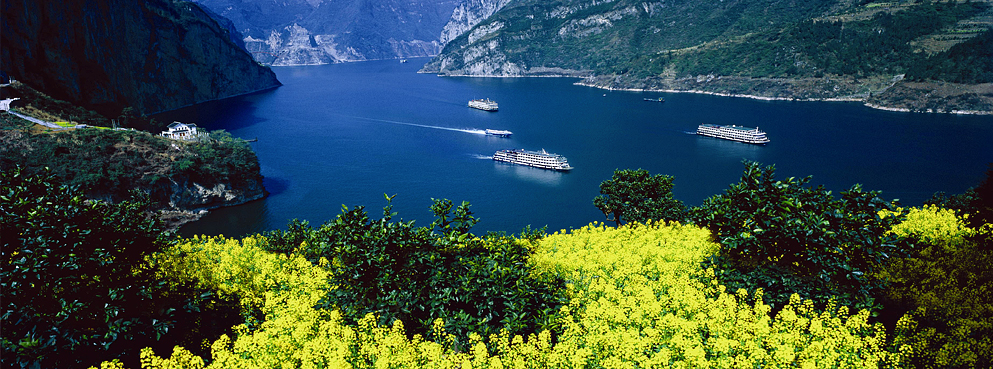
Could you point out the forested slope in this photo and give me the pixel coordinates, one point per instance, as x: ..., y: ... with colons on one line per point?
x: 821, y: 49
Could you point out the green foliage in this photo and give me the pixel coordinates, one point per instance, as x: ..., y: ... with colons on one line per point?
x: 968, y: 62
x: 880, y: 45
x: 418, y: 274
x: 948, y: 289
x: 59, y: 108
x: 75, y: 283
x: 221, y: 159
x: 109, y: 163
x: 787, y: 238
x: 11, y: 122
x: 635, y: 300
x: 976, y: 204
x: 636, y: 196
x: 644, y: 40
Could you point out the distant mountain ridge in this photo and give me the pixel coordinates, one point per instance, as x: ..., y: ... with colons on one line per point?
x: 821, y: 49
x: 307, y: 32
x: 106, y: 55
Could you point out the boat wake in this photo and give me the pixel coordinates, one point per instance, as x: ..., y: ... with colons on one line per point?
x: 484, y: 157
x: 466, y: 130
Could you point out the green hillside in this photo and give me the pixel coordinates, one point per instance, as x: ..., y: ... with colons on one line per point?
x: 773, y: 48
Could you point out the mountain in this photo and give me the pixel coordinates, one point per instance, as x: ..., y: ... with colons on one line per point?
x: 106, y: 55
x: 467, y: 14
x: 306, y: 32
x: 820, y: 49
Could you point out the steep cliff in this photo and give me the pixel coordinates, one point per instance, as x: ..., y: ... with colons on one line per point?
x: 105, y: 55
x: 307, y: 32
x: 468, y: 14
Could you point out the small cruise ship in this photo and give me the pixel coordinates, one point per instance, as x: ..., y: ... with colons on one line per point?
x: 538, y: 159
x: 497, y: 132
x: 483, y: 104
x: 733, y: 133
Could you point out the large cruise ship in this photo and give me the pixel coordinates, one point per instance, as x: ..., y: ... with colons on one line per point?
x: 733, y: 133
x: 483, y: 104
x: 537, y: 159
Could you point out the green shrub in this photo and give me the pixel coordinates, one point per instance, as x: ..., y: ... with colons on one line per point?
x: 75, y: 283
x: 787, y: 238
x: 400, y: 272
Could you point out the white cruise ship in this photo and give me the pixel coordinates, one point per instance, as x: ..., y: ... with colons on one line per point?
x: 483, y: 104
x: 536, y: 159
x: 733, y: 133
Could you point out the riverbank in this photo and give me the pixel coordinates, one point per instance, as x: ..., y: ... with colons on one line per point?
x: 890, y: 94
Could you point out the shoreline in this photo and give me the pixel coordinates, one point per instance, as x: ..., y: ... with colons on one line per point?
x: 585, y: 77
x: 768, y: 98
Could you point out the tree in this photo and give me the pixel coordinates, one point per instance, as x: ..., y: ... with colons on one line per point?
x: 74, y: 278
x: 637, y: 196
x: 786, y: 237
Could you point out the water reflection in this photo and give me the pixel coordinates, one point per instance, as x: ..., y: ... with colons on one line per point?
x: 544, y: 177
x: 275, y: 185
x: 728, y: 149
x: 231, y: 221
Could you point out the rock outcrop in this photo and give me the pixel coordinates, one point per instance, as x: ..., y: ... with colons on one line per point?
x: 467, y: 15
x: 105, y: 55
x: 186, y: 195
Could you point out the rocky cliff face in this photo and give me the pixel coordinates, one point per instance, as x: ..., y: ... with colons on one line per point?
x: 580, y: 37
x: 307, y: 32
x: 468, y: 14
x: 184, y: 194
x: 153, y: 55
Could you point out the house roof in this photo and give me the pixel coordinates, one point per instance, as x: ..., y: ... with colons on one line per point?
x: 175, y: 125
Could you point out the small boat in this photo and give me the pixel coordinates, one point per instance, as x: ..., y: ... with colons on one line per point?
x: 499, y: 133
x: 403, y: 60
x: 661, y: 99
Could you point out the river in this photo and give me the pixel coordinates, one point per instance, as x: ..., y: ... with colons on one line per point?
x: 346, y: 134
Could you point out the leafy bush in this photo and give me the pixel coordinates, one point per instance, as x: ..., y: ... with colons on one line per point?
x: 413, y: 274
x: 948, y: 287
x: 74, y: 280
x: 788, y: 238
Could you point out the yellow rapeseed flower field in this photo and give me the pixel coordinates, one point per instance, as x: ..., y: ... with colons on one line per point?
x: 636, y: 301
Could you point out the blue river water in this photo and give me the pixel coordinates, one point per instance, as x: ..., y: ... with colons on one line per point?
x: 347, y: 134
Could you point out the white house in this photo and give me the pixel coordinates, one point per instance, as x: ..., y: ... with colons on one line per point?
x: 183, y: 131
